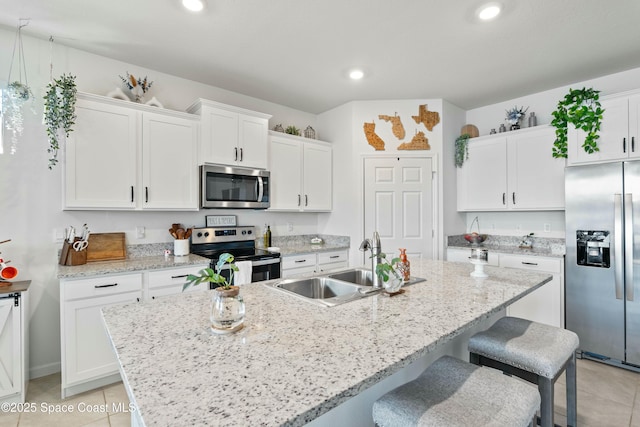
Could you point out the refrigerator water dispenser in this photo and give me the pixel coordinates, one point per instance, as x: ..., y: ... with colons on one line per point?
x: 593, y: 248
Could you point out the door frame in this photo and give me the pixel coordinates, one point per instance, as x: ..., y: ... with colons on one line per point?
x: 437, y: 234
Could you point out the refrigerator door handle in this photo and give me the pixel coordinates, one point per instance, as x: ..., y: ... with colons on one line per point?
x: 628, y: 245
x: 617, y: 237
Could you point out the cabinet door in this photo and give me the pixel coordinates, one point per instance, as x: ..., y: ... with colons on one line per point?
x: 545, y: 304
x: 482, y: 180
x: 88, y: 352
x: 169, y: 163
x: 535, y: 177
x: 613, y: 142
x: 285, y: 164
x: 252, y: 141
x: 219, y: 136
x: 10, y: 348
x: 101, y: 157
x: 634, y: 126
x: 317, y: 177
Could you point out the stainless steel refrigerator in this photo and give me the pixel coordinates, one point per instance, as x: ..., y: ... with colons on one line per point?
x: 603, y: 260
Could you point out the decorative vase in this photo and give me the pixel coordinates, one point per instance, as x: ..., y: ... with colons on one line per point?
x: 515, y: 126
x: 394, y: 283
x: 227, y: 310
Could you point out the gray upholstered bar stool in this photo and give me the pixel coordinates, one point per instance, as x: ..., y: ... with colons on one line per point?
x: 534, y: 352
x: 453, y: 393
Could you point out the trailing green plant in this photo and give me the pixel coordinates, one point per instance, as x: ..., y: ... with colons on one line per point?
x: 462, y: 149
x: 384, y: 268
x: 209, y: 276
x: 59, y: 112
x: 580, y: 107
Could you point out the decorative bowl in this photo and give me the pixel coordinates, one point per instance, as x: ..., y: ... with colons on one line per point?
x: 475, y: 238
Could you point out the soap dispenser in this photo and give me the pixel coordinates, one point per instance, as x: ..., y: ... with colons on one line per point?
x: 404, y: 265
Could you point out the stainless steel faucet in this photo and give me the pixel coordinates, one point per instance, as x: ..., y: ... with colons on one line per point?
x: 374, y: 245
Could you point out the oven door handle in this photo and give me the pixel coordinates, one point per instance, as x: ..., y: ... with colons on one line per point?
x: 260, y: 185
x: 265, y: 262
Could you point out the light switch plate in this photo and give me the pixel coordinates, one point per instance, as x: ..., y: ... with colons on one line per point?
x: 140, y: 232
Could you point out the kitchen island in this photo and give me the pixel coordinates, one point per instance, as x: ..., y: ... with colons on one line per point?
x: 294, y: 362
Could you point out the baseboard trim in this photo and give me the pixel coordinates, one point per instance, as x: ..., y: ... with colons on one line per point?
x: 44, y: 370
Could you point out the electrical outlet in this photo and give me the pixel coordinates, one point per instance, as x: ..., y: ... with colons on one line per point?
x: 290, y: 226
x: 58, y: 235
x: 547, y: 228
x: 493, y: 226
x: 518, y: 227
x: 140, y: 232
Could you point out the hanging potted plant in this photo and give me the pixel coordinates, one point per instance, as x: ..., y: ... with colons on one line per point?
x: 580, y: 107
x: 59, y: 112
x: 462, y: 149
x: 227, y: 306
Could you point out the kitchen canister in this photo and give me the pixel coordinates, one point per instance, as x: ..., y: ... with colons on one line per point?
x: 533, y: 120
x: 181, y: 247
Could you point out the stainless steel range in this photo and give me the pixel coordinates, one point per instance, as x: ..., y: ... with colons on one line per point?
x: 239, y: 242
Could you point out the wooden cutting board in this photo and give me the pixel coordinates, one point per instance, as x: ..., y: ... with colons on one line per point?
x: 106, y: 247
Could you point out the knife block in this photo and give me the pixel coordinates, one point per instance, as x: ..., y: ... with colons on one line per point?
x: 69, y: 256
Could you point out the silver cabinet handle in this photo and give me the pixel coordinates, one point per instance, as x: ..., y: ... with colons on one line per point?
x: 241, y: 154
x: 300, y: 260
x: 504, y: 198
x: 298, y: 200
x: 180, y: 276
x: 633, y: 144
x: 529, y: 263
x: 513, y: 197
x: 146, y: 194
x: 617, y: 237
x: 132, y: 194
x: 628, y: 243
x: 334, y: 256
x: 236, y: 156
x: 624, y: 145
x: 306, y: 200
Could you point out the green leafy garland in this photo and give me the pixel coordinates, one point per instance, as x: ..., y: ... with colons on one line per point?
x: 582, y: 108
x: 59, y: 112
x: 462, y: 149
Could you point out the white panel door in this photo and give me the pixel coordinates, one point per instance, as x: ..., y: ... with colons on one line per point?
x: 169, y: 163
x: 10, y: 378
x: 398, y: 203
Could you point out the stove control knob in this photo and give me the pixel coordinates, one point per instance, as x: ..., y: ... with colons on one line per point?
x: 199, y: 234
x: 244, y: 232
x: 206, y: 234
x: 249, y: 232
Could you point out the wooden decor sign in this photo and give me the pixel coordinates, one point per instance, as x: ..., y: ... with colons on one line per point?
x: 396, y: 125
x: 428, y: 118
x: 418, y: 142
x: 374, y: 140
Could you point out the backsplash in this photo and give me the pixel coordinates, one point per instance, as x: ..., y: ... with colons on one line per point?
x: 553, y: 245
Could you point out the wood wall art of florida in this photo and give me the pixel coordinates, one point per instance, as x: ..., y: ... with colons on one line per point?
x: 374, y: 140
x: 396, y: 125
x: 428, y: 118
x: 418, y: 142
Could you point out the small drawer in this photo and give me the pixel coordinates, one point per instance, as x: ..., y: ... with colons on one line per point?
x: 173, y: 276
x: 100, y: 286
x: 531, y: 263
x: 329, y: 257
x: 297, y: 261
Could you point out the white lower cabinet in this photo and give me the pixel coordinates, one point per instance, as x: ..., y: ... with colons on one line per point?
x: 87, y: 357
x: 294, y: 265
x: 545, y: 304
x: 14, y: 355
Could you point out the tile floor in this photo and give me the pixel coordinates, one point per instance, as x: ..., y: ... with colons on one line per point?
x: 607, y: 397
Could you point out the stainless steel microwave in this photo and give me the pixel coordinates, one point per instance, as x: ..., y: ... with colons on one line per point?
x: 232, y: 187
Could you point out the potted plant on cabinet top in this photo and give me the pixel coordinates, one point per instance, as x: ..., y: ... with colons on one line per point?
x: 580, y: 107
x: 227, y: 306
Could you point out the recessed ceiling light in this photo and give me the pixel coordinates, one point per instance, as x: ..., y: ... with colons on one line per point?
x: 489, y: 11
x: 356, y: 74
x: 193, y: 5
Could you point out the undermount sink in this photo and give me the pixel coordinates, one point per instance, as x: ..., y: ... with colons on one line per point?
x: 333, y: 289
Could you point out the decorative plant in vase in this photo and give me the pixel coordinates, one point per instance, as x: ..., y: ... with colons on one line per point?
x: 227, y: 306
x: 580, y: 107
x: 138, y: 87
x: 515, y: 115
x: 392, y: 279
x: 292, y: 130
x: 59, y: 112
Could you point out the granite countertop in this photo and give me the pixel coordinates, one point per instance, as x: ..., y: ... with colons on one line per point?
x: 542, y: 246
x: 306, y: 248
x: 293, y: 361
x: 129, y: 265
x: 514, y: 250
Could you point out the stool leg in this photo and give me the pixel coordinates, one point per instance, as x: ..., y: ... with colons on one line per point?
x: 572, y: 407
x: 474, y: 358
x: 545, y: 387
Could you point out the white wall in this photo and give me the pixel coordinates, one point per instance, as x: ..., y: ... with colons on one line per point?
x: 543, y: 104
x: 30, y: 194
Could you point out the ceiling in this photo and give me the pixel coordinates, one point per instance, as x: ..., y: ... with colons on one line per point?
x: 298, y: 52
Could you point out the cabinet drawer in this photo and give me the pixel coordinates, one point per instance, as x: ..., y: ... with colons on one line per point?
x: 531, y: 263
x: 101, y: 286
x: 173, y: 276
x: 297, y: 261
x: 328, y: 257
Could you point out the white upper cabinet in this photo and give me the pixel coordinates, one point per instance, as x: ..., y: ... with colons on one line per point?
x: 301, y: 174
x: 231, y: 135
x: 123, y: 155
x: 619, y: 133
x: 513, y: 171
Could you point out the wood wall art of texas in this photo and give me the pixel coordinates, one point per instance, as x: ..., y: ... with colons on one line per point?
x: 396, y: 125
x: 374, y: 140
x: 428, y: 118
x: 418, y: 142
